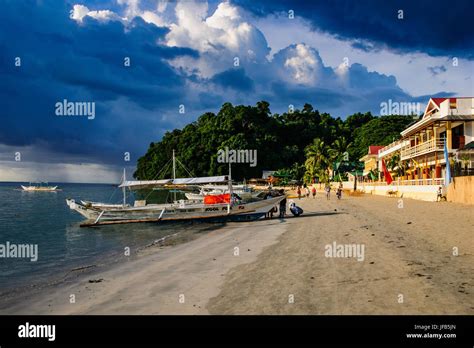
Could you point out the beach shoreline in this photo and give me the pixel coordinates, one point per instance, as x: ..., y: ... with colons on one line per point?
x: 175, y: 269
x: 280, y: 267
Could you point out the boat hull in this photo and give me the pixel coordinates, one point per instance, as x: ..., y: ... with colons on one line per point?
x: 175, y: 212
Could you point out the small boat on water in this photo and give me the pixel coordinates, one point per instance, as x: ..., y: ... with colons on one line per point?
x: 44, y: 187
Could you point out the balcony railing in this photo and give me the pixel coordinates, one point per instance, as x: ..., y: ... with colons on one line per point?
x: 396, y: 145
x: 421, y: 149
x: 416, y: 182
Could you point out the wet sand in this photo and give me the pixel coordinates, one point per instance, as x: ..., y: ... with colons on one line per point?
x: 281, y: 267
x: 176, y: 279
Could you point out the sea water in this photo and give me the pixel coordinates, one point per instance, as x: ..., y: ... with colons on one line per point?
x: 44, y: 219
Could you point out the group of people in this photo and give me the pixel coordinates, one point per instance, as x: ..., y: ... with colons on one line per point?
x: 304, y: 190
x: 282, y: 206
x: 295, y: 210
x: 307, y: 191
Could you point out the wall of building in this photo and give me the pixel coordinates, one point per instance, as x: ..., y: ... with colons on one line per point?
x: 469, y: 132
x: 371, y: 164
x: 421, y: 192
x: 461, y: 190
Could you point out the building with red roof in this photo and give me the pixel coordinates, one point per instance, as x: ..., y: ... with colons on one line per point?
x: 371, y: 160
x: 447, y: 121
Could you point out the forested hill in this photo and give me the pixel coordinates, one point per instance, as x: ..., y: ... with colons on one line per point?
x: 280, y: 139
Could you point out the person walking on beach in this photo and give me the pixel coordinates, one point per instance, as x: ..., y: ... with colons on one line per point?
x: 339, y: 191
x: 307, y: 192
x: 327, y: 188
x: 440, y: 195
x: 282, y: 205
x: 313, y: 190
x: 298, y: 191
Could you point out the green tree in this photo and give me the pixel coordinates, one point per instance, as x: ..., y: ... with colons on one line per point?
x: 318, y: 160
x: 378, y: 131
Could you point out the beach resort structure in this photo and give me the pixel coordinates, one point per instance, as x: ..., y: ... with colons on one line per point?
x: 371, y: 162
x: 417, y: 159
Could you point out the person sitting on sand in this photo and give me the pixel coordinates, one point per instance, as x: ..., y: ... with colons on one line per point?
x: 314, y: 191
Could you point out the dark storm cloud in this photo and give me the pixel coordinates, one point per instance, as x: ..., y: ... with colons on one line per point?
x: 435, y: 27
x: 235, y: 79
x: 61, y: 59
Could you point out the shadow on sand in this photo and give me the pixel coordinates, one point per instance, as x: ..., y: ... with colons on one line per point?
x: 276, y: 220
x: 310, y: 214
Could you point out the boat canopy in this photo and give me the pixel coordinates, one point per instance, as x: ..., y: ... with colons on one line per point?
x: 145, y: 183
x: 200, y: 180
x: 180, y: 181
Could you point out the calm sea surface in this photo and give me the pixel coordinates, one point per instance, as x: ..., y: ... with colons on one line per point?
x: 43, y: 218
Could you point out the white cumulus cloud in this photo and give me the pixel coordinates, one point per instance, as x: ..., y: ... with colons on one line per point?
x: 220, y: 37
x: 152, y: 17
x: 80, y: 11
x: 302, y: 64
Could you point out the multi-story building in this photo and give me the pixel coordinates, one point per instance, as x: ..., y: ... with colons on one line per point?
x: 421, y: 147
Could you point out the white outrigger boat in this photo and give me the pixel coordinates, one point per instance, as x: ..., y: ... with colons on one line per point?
x: 39, y: 187
x: 179, y: 211
x: 233, y: 209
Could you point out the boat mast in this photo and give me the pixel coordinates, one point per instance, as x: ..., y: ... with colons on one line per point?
x: 174, y: 175
x: 123, y: 189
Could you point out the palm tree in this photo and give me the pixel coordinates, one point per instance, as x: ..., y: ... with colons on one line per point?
x: 339, y: 149
x: 395, y: 164
x: 465, y: 162
x: 297, y: 171
x: 318, y: 160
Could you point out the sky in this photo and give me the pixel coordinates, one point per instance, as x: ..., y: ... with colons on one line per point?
x: 147, y: 67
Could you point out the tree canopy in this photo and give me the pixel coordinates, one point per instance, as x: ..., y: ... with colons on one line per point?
x: 281, y: 140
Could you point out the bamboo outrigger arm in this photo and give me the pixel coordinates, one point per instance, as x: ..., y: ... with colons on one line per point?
x: 161, y: 214
x: 98, y: 218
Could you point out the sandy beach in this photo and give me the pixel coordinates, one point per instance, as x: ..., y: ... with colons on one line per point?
x: 418, y: 259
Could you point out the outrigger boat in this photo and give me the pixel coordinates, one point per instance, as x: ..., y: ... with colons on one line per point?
x: 229, y: 208
x: 180, y: 211
x: 39, y: 187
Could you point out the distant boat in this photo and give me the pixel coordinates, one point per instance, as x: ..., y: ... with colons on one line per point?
x: 39, y: 187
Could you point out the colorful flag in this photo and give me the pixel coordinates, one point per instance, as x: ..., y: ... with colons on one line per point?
x: 386, y: 173
x: 447, y: 180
